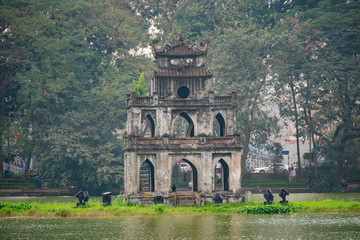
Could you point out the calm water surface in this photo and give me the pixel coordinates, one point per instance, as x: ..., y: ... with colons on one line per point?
x: 295, y: 226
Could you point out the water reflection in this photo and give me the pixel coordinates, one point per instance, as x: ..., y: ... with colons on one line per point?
x: 299, y: 226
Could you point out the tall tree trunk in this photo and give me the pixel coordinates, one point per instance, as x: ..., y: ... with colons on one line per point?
x: 244, y: 154
x: 315, y: 156
x: 2, y: 115
x: 312, y: 135
x: 296, y: 123
x: 312, y: 139
x: 313, y: 152
x: 28, y: 153
x: 27, y: 166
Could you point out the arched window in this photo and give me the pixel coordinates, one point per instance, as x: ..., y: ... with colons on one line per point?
x: 219, y: 126
x: 183, y: 126
x: 147, y: 177
x: 149, y: 130
x: 184, y: 176
x: 221, y: 176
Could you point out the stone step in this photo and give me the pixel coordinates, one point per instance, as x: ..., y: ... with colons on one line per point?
x: 185, y: 200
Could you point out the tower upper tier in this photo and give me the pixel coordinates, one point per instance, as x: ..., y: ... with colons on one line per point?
x: 180, y: 66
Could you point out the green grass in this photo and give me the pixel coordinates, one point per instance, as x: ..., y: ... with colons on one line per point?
x: 121, y: 208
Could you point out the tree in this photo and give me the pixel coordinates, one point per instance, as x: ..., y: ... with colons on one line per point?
x: 81, y: 66
x: 240, y: 63
x: 339, y: 73
x: 288, y: 58
x: 139, y: 87
x: 161, y: 14
x: 318, y: 60
x: 276, y: 150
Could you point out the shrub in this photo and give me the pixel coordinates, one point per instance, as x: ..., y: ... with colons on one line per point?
x: 270, y: 209
x: 119, y: 201
x: 16, y: 207
x: 159, y: 208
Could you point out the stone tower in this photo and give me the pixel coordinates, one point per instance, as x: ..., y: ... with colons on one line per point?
x: 205, y: 137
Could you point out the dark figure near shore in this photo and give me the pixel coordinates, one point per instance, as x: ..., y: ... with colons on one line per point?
x: 309, y: 183
x: 269, y: 197
x: 218, y: 200
x: 283, y: 193
x: 344, y: 184
x: 173, y: 188
x: 83, y: 197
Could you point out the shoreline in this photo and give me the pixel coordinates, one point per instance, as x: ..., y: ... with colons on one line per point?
x: 173, y: 215
x: 96, y: 210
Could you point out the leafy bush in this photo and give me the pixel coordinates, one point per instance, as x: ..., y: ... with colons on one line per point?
x: 16, y: 206
x: 159, y: 208
x: 270, y: 209
x: 119, y: 201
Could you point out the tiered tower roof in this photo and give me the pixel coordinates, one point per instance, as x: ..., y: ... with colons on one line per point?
x: 180, y: 49
x: 181, y: 60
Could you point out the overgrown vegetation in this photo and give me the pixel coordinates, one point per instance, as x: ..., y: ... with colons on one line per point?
x: 122, y: 209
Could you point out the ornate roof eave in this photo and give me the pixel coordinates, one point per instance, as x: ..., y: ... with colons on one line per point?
x: 182, y: 76
x: 180, y: 49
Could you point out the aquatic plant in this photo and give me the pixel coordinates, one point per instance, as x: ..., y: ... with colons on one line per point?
x: 274, y: 208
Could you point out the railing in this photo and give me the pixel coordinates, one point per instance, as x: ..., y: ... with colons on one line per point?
x: 181, y: 141
x: 144, y: 99
x: 133, y: 99
x: 219, y: 140
x: 223, y: 99
x: 148, y: 141
x: 184, y: 141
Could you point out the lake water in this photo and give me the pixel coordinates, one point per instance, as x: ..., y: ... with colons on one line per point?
x: 280, y: 226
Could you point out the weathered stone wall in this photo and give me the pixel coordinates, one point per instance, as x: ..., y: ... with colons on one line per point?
x: 164, y: 117
x: 181, y: 85
x: 164, y: 162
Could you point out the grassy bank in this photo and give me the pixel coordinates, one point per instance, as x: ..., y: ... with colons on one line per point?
x: 120, y: 209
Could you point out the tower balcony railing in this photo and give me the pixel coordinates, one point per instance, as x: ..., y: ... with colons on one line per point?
x: 151, y: 142
x: 132, y: 100
x: 144, y: 100
x: 230, y: 98
x: 223, y: 99
x: 137, y: 100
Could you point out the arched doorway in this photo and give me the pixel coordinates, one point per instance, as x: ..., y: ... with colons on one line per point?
x: 149, y: 130
x: 184, y: 176
x: 221, y: 176
x: 219, y: 126
x: 147, y: 177
x: 183, y: 126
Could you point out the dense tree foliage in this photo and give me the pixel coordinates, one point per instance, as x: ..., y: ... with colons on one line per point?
x: 72, y: 63
x: 66, y: 67
x: 239, y: 63
x: 303, y: 55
